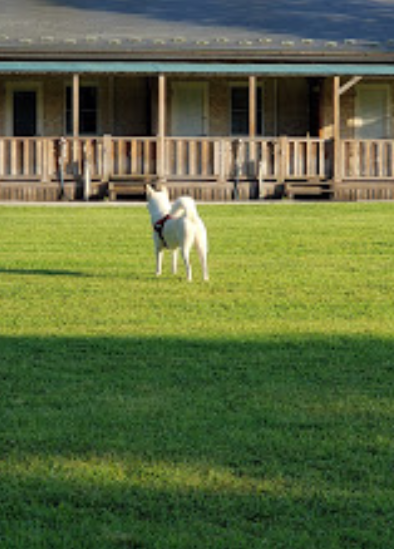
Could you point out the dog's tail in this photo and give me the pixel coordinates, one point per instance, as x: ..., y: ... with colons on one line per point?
x: 186, y: 206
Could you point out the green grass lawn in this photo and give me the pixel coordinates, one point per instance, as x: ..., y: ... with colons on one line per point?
x: 253, y: 411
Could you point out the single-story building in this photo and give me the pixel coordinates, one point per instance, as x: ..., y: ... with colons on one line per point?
x: 217, y: 99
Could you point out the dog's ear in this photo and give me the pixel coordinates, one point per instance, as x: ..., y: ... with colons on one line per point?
x: 149, y: 191
x: 164, y: 189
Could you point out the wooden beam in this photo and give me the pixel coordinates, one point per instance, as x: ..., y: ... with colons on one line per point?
x: 337, y: 128
x: 75, y: 105
x: 162, y: 114
x: 349, y: 84
x: 252, y: 107
x: 252, y: 168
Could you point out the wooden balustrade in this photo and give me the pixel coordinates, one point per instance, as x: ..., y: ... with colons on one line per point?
x: 132, y: 156
x: 306, y: 158
x: 188, y: 158
x: 279, y: 158
x: 21, y: 158
x: 371, y: 159
x: 193, y: 157
x: 96, y: 163
x: 246, y: 158
x: 71, y: 156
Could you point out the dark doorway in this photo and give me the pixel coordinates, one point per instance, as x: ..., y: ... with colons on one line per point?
x: 315, y: 87
x: 25, y: 113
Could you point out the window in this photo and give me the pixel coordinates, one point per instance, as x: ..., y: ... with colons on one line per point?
x: 240, y: 110
x: 24, y: 112
x: 88, y: 103
x: 373, y: 111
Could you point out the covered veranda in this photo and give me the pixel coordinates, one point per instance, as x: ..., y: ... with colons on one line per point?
x: 47, y: 166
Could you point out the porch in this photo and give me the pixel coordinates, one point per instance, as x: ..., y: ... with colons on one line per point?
x: 217, y: 168
x: 312, y: 148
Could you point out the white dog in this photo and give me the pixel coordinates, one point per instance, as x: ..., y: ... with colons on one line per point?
x: 177, y: 226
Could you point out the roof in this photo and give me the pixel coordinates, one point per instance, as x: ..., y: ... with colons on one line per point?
x: 201, y: 68
x: 180, y: 29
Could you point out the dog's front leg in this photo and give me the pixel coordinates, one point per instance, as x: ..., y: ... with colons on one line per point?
x: 159, y: 261
x: 175, y: 261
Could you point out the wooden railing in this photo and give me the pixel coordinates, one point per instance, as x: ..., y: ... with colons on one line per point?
x: 41, y: 158
x: 131, y: 155
x: 306, y: 158
x: 222, y: 159
x: 21, y: 158
x: 283, y: 158
x: 72, y: 155
x: 246, y: 158
x: 193, y: 157
x: 370, y: 159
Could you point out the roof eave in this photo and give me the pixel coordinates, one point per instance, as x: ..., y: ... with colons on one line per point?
x: 197, y: 55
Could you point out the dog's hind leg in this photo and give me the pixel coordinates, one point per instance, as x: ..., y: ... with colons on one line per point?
x: 186, y: 260
x: 175, y: 261
x: 202, y: 250
x: 204, y: 263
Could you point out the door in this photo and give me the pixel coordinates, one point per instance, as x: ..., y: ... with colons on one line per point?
x: 25, y: 113
x: 188, y: 109
x: 372, y: 112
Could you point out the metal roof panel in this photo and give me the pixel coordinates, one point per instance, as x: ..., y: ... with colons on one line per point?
x: 149, y: 67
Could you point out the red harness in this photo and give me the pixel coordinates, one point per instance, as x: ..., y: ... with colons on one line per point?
x: 159, y: 228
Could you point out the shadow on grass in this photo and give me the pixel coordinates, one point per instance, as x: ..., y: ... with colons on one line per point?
x: 43, y: 272
x: 193, y: 443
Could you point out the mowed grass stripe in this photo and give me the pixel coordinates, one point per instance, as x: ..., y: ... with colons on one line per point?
x: 251, y: 411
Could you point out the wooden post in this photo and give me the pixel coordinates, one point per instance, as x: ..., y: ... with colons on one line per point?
x: 75, y: 118
x: 252, y: 125
x: 337, y: 129
x: 222, y: 159
x: 45, y: 160
x: 252, y: 107
x: 161, y: 161
x: 87, y: 174
x: 107, y: 158
x: 75, y: 105
x: 283, y: 159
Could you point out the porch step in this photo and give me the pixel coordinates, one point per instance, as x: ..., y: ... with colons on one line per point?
x: 309, y: 188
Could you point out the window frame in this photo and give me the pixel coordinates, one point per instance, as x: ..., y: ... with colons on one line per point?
x: 68, y: 120
x: 260, y: 92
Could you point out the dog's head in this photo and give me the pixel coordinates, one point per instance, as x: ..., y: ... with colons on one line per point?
x: 149, y: 191
x: 157, y: 193
x: 158, y: 200
x: 157, y: 188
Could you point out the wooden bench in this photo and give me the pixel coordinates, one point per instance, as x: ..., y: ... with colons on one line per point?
x: 129, y: 185
x: 310, y: 187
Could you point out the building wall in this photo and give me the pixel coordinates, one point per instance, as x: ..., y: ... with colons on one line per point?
x: 122, y: 103
x: 293, y: 106
x: 54, y: 93
x: 285, y: 105
x: 131, y: 106
x: 2, y: 107
x: 128, y: 105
